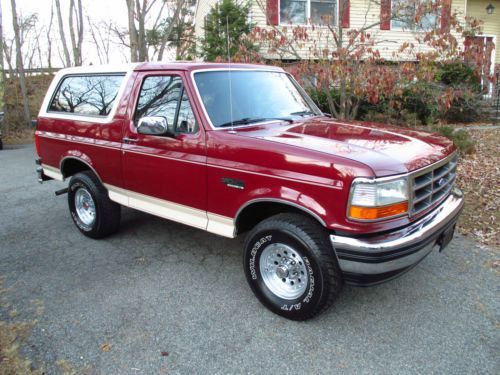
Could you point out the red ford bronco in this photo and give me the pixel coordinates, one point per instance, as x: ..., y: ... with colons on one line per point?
x: 243, y: 149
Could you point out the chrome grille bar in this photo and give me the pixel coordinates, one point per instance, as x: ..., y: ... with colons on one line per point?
x: 430, y: 185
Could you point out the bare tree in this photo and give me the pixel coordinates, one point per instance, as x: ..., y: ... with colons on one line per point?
x: 132, y: 31
x: 76, y: 13
x: 7, y: 51
x: 67, y: 60
x: 4, y: 76
x: 19, y: 64
x: 148, y: 36
x: 101, y: 35
x: 49, y: 38
x: 174, y: 21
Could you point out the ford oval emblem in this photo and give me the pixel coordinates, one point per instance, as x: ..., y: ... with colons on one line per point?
x: 441, y: 181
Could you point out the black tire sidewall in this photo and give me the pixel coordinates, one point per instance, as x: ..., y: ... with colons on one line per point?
x: 76, y: 183
x: 300, y: 307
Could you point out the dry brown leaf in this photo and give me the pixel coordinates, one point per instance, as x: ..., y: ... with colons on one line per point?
x: 106, y: 347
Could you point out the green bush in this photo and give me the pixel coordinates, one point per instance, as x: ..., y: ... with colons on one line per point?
x: 420, y: 103
x: 457, y: 73
x: 463, y: 109
x: 461, y: 138
x: 421, y: 99
x: 319, y: 97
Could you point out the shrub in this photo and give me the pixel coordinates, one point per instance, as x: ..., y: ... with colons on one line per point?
x: 457, y: 73
x: 319, y: 97
x: 422, y: 98
x: 460, y: 137
x: 464, y: 109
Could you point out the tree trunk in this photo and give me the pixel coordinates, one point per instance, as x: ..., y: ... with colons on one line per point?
x: 49, y: 40
x: 173, y: 22
x: 76, y: 37
x: 62, y: 34
x: 4, y: 76
x: 132, y: 30
x: 80, y: 29
x: 141, y: 15
x: 19, y: 63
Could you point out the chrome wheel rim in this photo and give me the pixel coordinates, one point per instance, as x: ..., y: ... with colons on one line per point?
x: 85, y: 206
x: 283, y: 271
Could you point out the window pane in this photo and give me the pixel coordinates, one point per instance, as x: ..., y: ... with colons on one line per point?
x: 255, y: 95
x: 323, y: 12
x: 293, y: 11
x: 159, y: 97
x: 429, y: 22
x: 403, y: 12
x: 87, y: 95
x: 186, y: 122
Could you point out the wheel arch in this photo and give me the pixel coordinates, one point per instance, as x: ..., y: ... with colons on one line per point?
x: 256, y: 210
x: 70, y: 165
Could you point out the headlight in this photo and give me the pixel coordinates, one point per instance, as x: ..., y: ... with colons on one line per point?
x: 374, y: 200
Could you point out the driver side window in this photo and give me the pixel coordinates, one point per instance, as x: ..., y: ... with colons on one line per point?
x: 165, y: 96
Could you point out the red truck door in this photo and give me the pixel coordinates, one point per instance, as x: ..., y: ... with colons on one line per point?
x: 165, y: 174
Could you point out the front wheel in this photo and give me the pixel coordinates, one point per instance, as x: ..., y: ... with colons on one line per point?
x: 291, y: 267
x: 92, y: 211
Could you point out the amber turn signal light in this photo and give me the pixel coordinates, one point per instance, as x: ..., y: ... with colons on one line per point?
x: 374, y: 213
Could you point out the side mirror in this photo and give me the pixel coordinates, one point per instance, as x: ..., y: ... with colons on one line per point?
x: 153, y: 125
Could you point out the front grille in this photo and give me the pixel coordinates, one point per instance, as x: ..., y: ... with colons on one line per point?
x: 432, y: 184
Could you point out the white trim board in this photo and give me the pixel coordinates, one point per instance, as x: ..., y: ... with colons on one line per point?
x: 52, y: 172
x: 213, y: 223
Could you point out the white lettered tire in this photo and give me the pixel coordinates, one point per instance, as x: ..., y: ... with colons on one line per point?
x: 291, y: 266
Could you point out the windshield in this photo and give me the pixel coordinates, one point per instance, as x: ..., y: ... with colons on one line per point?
x: 256, y: 96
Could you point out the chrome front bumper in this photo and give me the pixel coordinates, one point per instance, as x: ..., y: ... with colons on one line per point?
x: 371, y: 260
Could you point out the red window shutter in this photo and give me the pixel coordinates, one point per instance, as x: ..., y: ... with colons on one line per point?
x: 346, y: 15
x: 273, y: 12
x: 385, y: 14
x: 445, y: 16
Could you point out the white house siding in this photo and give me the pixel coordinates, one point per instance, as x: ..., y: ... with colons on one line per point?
x: 202, y: 9
x: 362, y: 13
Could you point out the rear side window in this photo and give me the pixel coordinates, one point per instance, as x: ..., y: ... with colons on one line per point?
x: 86, y: 95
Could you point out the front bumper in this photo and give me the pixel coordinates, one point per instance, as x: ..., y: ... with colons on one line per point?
x: 371, y: 260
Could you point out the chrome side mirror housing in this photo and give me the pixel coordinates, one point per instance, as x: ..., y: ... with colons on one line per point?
x: 153, y: 125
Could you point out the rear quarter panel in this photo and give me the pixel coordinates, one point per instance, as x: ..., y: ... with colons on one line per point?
x: 95, y: 143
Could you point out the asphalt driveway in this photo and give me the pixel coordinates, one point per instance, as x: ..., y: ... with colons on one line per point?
x: 160, y: 297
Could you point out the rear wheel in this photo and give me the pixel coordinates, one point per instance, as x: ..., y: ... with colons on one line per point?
x: 94, y: 214
x: 291, y: 266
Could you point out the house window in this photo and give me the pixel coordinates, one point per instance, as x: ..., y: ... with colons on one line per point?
x: 319, y: 12
x: 404, y: 14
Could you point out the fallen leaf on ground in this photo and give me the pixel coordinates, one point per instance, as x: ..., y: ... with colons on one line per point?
x: 106, y: 347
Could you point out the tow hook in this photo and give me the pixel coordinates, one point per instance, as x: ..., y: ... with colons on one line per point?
x: 61, y: 192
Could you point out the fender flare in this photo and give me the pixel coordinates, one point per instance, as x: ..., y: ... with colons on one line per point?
x: 63, y: 160
x: 280, y: 201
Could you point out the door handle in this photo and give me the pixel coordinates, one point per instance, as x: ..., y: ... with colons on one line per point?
x: 130, y: 140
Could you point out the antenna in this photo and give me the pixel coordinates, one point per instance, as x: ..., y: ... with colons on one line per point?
x: 229, y: 73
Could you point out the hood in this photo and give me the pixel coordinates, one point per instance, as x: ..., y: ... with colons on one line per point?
x: 386, y: 150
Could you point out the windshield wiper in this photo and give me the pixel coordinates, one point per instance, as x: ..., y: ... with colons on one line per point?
x: 302, y: 113
x: 250, y: 120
